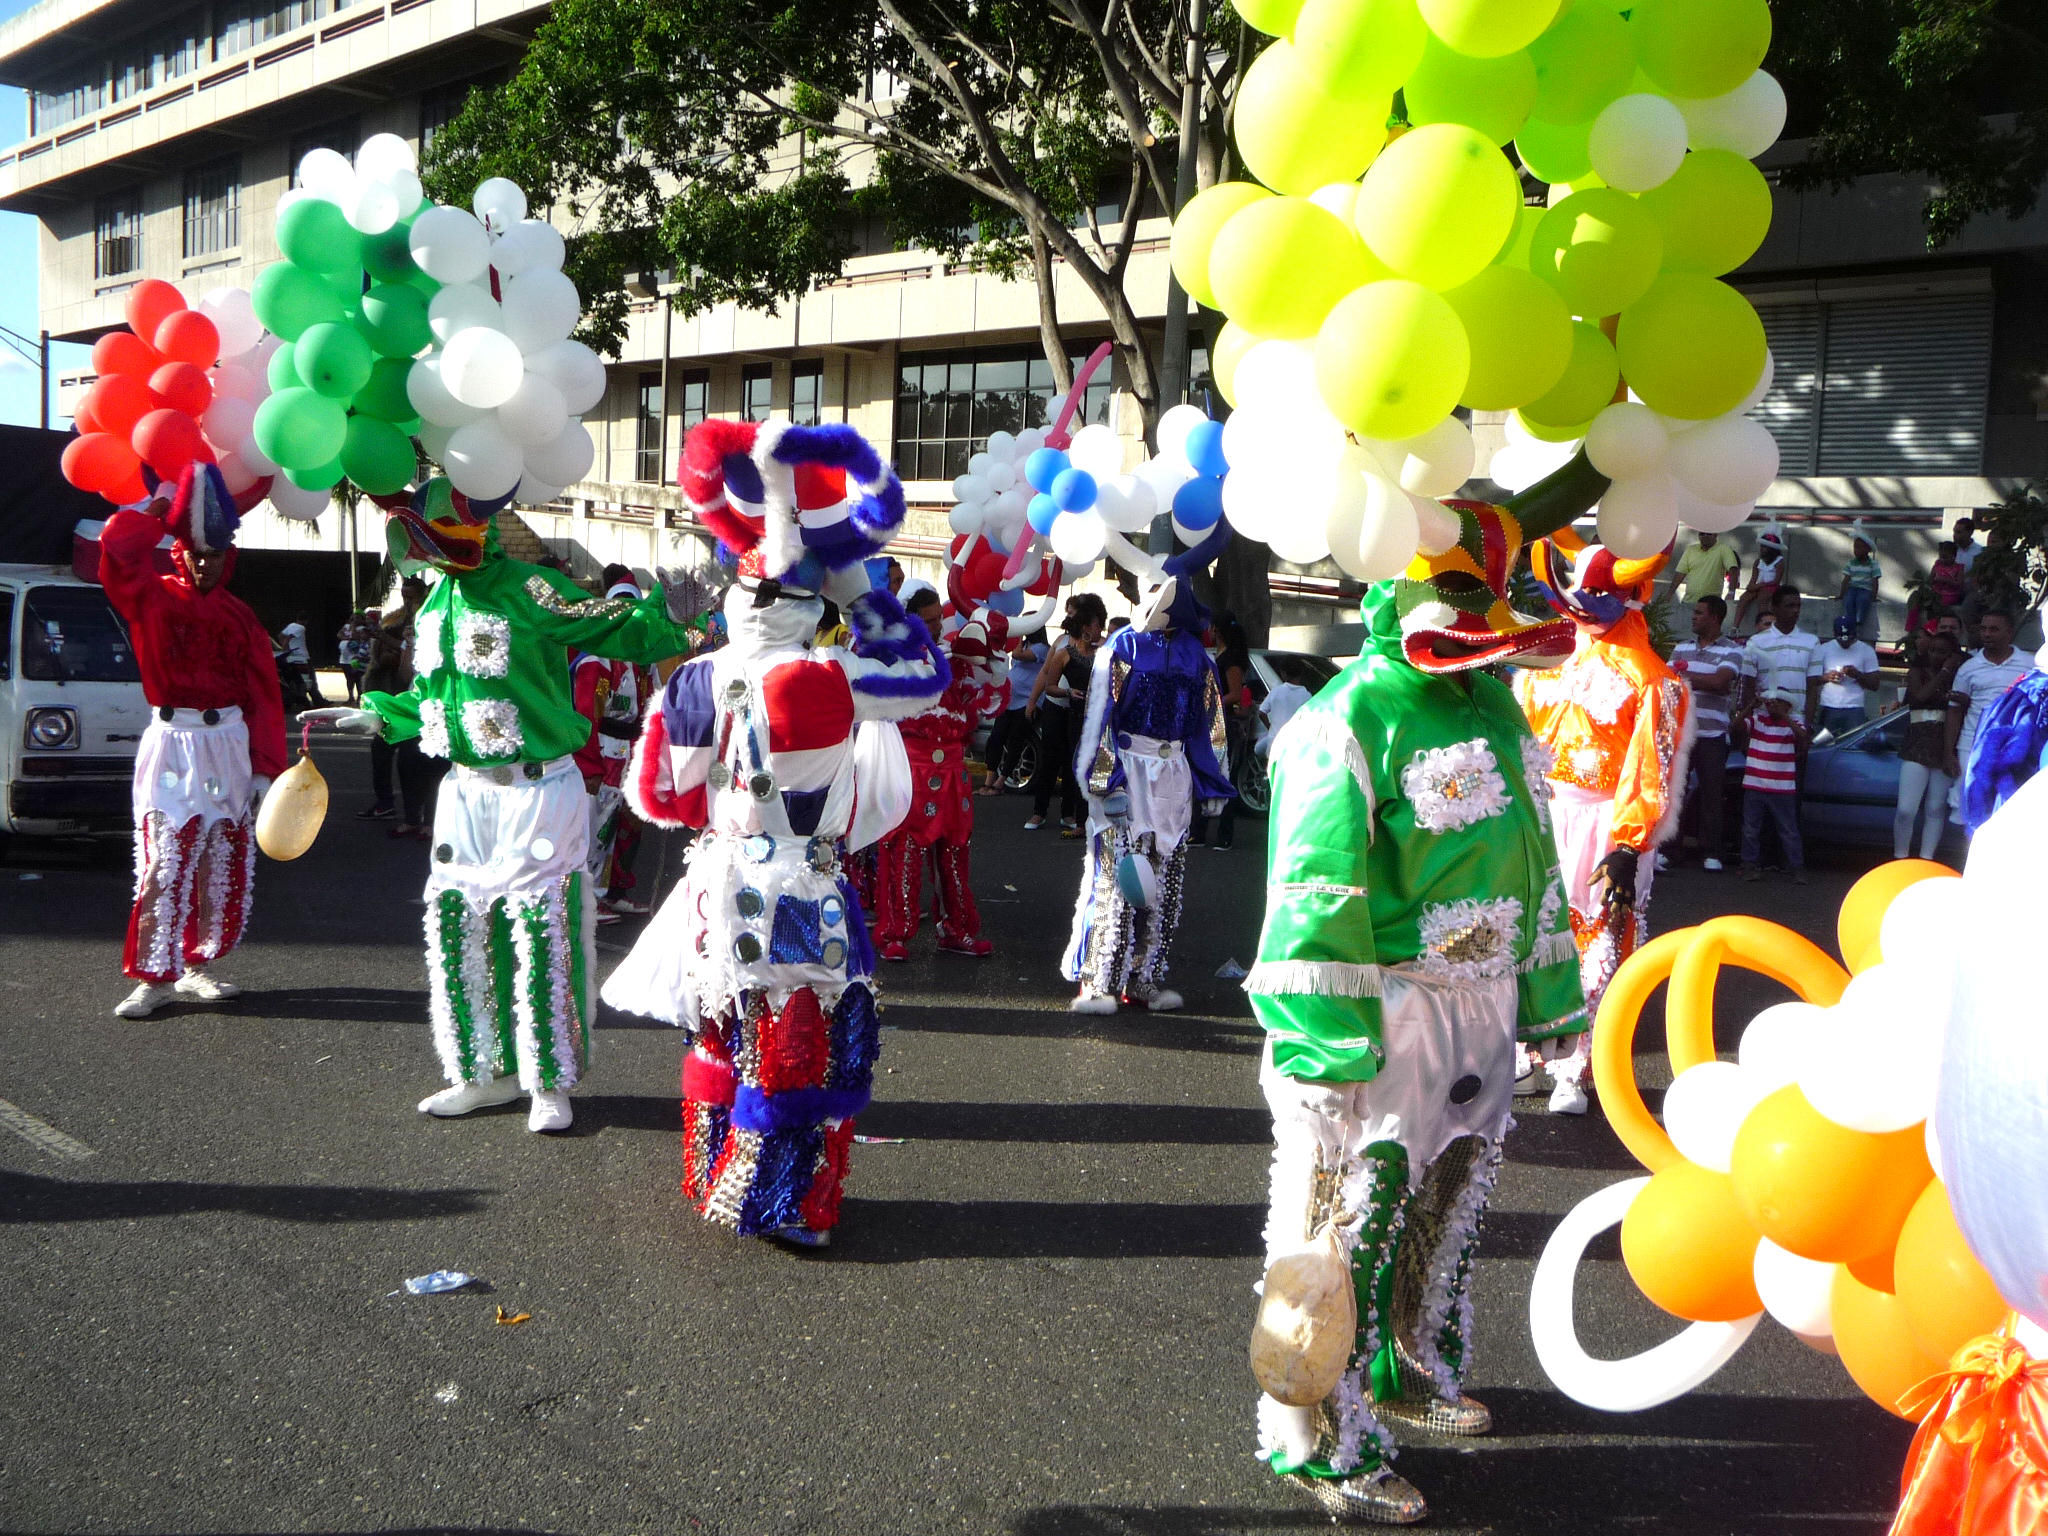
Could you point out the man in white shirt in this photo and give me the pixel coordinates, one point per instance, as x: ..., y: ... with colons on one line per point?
x: 1979, y: 680
x: 1782, y: 655
x: 1712, y: 668
x: 1967, y: 547
x: 1848, y: 671
x: 298, y: 659
x: 1287, y: 696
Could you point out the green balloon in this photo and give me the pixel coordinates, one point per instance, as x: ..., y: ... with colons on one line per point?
x: 1491, y: 95
x: 321, y: 477
x: 1520, y: 334
x: 333, y: 359
x: 1279, y: 265
x: 1601, y: 248
x: 300, y: 429
x: 1691, y: 347
x: 1296, y: 135
x: 1196, y: 227
x: 1583, y: 62
x: 383, y: 395
x: 348, y: 287
x: 377, y: 456
x: 1584, y: 388
x: 1391, y: 359
x: 1486, y: 29
x: 288, y: 298
x: 284, y: 373
x: 1700, y: 47
x: 394, y: 320
x: 314, y: 234
x: 1275, y: 18
x: 1438, y: 204
x: 1516, y: 252
x: 388, y: 256
x: 1360, y: 48
x: 1714, y: 212
x: 1554, y: 152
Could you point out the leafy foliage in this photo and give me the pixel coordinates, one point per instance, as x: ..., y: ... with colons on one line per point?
x: 2014, y: 565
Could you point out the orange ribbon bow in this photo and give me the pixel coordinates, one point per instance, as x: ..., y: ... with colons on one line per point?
x: 1979, y: 1464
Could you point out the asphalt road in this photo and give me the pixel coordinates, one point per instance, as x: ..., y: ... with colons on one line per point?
x: 1033, y: 1322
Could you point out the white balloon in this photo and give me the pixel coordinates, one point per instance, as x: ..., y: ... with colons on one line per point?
x: 1774, y: 1044
x: 541, y: 308
x: 1627, y: 441
x: 256, y: 458
x: 383, y: 154
x: 482, y: 461
x: 434, y: 439
x: 1747, y: 120
x: 1437, y: 528
x: 406, y: 189
x: 977, y: 465
x: 427, y: 388
x: 567, y: 459
x: 1278, y: 376
x: 326, y: 173
x: 372, y: 209
x: 575, y: 370
x: 966, y: 518
x: 1296, y: 540
x: 1728, y: 462
x: 227, y: 421
x: 1761, y: 387
x: 1705, y: 516
x: 499, y: 203
x: 536, y: 493
x: 1029, y: 441
x: 1638, y: 517
x: 1795, y: 1290
x: 449, y: 245
x: 460, y: 306
x: 1926, y: 925
x: 1353, y: 492
x: 1438, y: 461
x: 1098, y: 450
x: 1001, y: 445
x: 1172, y: 432
x: 231, y: 381
x: 299, y: 506
x: 966, y: 487
x: 535, y: 414
x: 1850, y: 1069
x: 1077, y: 537
x: 234, y: 473
x: 531, y: 245
x: 1703, y: 1109
x: 1011, y: 503
x: 1002, y: 474
x: 1126, y: 504
x: 482, y: 367
x: 1388, y: 533
x: 1637, y: 142
x: 234, y: 317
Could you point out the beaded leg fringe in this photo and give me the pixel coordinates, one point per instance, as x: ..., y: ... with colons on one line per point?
x: 1114, y: 944
x: 194, y: 885
x: 509, y: 984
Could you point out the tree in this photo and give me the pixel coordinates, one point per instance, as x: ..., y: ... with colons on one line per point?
x: 1947, y: 89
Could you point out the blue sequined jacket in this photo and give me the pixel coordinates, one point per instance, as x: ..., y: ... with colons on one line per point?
x: 1161, y: 685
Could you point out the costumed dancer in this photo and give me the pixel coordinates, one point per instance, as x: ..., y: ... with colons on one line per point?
x: 1617, y: 723
x: 1415, y: 931
x: 510, y: 912
x: 1151, y: 747
x: 762, y: 952
x: 215, y: 738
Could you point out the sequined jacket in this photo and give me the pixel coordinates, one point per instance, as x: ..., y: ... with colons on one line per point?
x: 1409, y: 827
x: 936, y: 744
x: 491, y: 662
x: 1618, y: 722
x: 1160, y: 685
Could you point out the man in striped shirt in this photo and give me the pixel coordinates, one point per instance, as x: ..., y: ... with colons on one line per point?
x: 1770, y: 781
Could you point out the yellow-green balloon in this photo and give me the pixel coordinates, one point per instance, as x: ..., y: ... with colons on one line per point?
x: 1583, y: 62
x: 1691, y: 347
x: 1550, y: 434
x: 1600, y: 248
x: 1225, y: 353
x: 1363, y: 48
x: 1486, y: 29
x: 1516, y: 252
x: 1583, y: 389
x: 1391, y: 359
x: 1297, y: 135
x: 1520, y: 335
x: 1700, y: 47
x: 1554, y: 152
x: 1275, y: 18
x: 1714, y: 212
x: 1280, y: 264
x: 1439, y: 204
x: 1492, y: 96
x: 1195, y: 230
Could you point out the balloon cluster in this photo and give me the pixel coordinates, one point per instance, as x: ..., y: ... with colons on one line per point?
x: 1383, y: 271
x: 179, y: 385
x: 1802, y: 1179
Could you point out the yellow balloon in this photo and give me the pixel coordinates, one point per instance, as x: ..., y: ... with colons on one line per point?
x: 293, y: 811
x: 1689, y: 1247
x: 1582, y: 390
x: 1863, y: 909
x: 1196, y: 228
x: 1714, y: 212
x: 1691, y: 347
x: 1491, y: 96
x: 1297, y: 134
x: 1391, y: 359
x: 1439, y: 204
x: 1516, y: 252
x: 1521, y: 337
x: 1599, y: 248
x: 1948, y: 1296
x: 1362, y: 48
x: 1275, y: 18
x: 1700, y: 47
x: 1225, y: 353
x: 1486, y: 29
x: 1280, y: 264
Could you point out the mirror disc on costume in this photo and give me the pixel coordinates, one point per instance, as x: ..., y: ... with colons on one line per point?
x: 543, y: 849
x: 821, y: 854
x: 760, y: 847
x: 736, y: 691
x: 1465, y: 1089
x: 168, y: 779
x: 445, y: 854
x: 833, y: 952
x: 721, y: 776
x: 750, y: 902
x: 938, y: 754
x: 747, y: 947
x: 761, y: 785
x: 935, y: 782
x: 833, y: 910
x: 930, y: 809
x: 213, y: 787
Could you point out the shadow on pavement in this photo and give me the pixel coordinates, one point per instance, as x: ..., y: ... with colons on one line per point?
x: 1166, y: 1032
x: 905, y: 1231
x: 1562, y: 1141
x: 27, y: 1197
x: 1186, y: 1124
x: 360, y: 1005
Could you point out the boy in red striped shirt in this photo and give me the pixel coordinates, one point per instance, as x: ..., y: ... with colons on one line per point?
x: 1770, y: 783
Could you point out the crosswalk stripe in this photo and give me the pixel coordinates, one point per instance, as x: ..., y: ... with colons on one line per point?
x: 41, y: 1134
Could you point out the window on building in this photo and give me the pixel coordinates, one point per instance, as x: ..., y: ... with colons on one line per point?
x: 757, y: 391
x: 117, y: 242
x: 696, y: 397
x: 647, y: 465
x: 53, y: 109
x: 807, y: 392
x: 239, y: 25
x: 439, y: 105
x: 344, y: 137
x: 213, y: 207
x: 947, y: 404
x: 1893, y: 385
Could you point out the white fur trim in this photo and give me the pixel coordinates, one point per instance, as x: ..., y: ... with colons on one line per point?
x: 781, y: 544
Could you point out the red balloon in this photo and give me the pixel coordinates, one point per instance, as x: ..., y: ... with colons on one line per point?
x: 169, y: 440
x: 189, y: 337
x: 119, y: 401
x: 131, y: 489
x: 244, y: 500
x: 182, y: 387
x: 98, y: 461
x: 150, y: 303
x: 124, y: 352
x: 82, y: 418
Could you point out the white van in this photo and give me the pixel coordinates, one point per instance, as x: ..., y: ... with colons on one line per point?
x: 71, y: 707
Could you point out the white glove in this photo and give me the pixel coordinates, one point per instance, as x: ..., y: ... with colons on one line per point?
x: 352, y: 722
x: 843, y: 586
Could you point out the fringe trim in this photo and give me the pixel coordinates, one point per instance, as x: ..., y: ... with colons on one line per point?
x: 1551, y: 949
x: 1450, y: 1273
x: 548, y: 1025
x: 1318, y: 978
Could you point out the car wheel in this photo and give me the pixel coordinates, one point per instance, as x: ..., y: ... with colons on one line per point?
x: 1027, y: 766
x: 1254, y: 793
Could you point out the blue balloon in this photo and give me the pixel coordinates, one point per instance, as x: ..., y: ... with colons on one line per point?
x: 1198, y: 503
x: 1040, y: 513
x: 1073, y: 490
x: 1010, y: 603
x: 1205, y: 450
x: 1043, y: 467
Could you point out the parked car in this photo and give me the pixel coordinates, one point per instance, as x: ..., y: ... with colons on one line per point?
x: 71, y: 707
x: 1247, y: 768
x: 1851, y: 790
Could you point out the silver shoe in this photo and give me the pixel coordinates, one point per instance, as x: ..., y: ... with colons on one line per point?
x: 1379, y: 1497
x: 1422, y: 1406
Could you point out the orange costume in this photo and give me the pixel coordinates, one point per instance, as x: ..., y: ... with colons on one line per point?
x: 1617, y: 722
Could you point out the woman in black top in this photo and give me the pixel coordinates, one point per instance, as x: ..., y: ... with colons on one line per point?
x: 1233, y: 666
x: 1058, y: 695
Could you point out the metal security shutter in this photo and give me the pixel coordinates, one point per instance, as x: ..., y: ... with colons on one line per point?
x: 1791, y: 410
x: 1905, y: 386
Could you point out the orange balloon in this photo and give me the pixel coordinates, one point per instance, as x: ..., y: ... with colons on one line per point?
x: 1690, y: 1248
x: 1949, y: 1299
x: 1875, y: 1342
x: 1820, y: 1189
x: 1862, y: 911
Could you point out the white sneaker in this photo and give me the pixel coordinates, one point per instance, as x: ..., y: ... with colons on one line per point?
x: 145, y: 1000
x: 1663, y: 864
x: 1714, y: 864
x: 1092, y: 1002
x: 1567, y: 1097
x: 549, y: 1112
x: 204, y: 986
x: 464, y: 1097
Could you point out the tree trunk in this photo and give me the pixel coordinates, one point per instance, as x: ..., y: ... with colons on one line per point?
x: 1049, y: 316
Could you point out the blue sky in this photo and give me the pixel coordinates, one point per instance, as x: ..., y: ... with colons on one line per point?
x: 18, y: 263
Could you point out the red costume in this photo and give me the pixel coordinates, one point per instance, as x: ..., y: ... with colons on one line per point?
x: 207, y: 671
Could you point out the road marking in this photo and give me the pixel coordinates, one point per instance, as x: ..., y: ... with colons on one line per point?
x: 40, y: 1134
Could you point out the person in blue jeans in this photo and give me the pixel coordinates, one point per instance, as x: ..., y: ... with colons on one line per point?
x: 1859, y: 585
